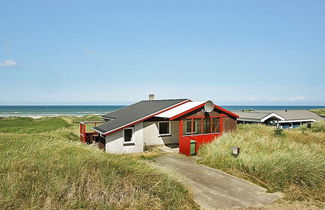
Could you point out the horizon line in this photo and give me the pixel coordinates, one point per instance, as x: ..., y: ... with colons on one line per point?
x: 129, y: 104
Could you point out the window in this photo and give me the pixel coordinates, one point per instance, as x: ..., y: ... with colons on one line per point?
x: 285, y: 125
x: 189, y: 126
x: 215, y: 125
x: 164, y: 128
x: 206, y: 125
x: 128, y: 133
x: 197, y: 126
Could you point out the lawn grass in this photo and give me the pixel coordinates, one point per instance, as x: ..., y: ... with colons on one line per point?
x: 48, y: 168
x: 293, y: 163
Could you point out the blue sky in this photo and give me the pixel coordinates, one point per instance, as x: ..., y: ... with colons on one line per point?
x: 117, y: 52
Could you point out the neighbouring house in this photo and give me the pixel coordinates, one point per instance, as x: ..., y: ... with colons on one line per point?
x: 279, y: 118
x: 161, y: 122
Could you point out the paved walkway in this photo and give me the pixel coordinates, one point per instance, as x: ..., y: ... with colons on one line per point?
x: 212, y: 188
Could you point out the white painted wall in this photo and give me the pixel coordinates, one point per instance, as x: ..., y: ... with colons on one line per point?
x: 115, y: 142
x: 151, y: 134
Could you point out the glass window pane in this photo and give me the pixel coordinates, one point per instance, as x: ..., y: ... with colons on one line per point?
x: 128, y: 135
x: 197, y: 126
x: 206, y: 125
x: 215, y: 125
x: 188, y: 126
x: 164, y: 128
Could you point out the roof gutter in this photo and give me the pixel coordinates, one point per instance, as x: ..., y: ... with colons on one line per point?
x: 101, y: 133
x: 292, y: 121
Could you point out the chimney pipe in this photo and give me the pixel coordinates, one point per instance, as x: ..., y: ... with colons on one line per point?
x: 151, y: 97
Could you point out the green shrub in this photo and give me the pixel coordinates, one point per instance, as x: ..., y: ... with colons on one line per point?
x: 278, y: 132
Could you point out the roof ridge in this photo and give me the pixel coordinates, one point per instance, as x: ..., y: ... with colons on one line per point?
x: 173, y: 99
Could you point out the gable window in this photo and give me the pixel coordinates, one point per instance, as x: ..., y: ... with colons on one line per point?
x: 128, y: 133
x: 164, y: 128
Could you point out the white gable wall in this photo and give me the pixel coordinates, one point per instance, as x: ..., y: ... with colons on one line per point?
x: 151, y: 134
x: 115, y: 141
x: 145, y: 133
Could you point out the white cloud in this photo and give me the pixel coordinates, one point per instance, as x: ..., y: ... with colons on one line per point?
x: 8, y: 63
x: 297, y: 98
x: 275, y: 99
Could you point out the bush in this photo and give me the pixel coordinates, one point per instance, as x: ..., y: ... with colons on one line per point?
x: 278, y: 132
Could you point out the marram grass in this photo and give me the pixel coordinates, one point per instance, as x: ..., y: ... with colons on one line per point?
x: 52, y: 170
x: 287, y: 163
x: 320, y: 112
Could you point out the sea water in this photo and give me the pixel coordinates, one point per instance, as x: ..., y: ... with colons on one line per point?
x: 39, y: 111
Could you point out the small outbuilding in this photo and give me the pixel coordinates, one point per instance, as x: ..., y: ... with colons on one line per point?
x: 177, y: 122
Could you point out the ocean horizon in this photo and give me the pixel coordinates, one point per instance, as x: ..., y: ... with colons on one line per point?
x: 81, y: 110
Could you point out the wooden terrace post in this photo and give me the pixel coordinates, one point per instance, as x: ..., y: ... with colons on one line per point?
x: 221, y: 124
x: 211, y: 125
x: 80, y: 133
x: 84, y: 132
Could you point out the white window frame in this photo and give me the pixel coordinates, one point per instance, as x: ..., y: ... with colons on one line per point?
x: 195, y: 131
x: 169, y: 125
x: 132, y: 138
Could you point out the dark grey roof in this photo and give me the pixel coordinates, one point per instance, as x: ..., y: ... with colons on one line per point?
x: 134, y: 112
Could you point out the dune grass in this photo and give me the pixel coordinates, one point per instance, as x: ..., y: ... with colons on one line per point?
x: 29, y: 125
x: 293, y: 163
x: 320, y: 112
x: 315, y: 127
x: 49, y: 168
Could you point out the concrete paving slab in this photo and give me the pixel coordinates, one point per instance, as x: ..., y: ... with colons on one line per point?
x: 212, y: 188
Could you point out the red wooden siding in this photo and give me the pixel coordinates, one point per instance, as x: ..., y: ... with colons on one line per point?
x: 205, y: 134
